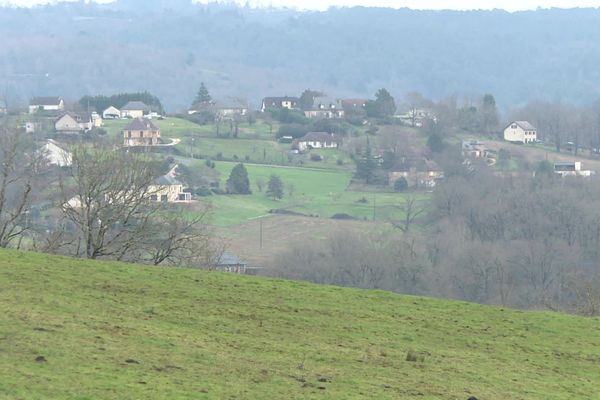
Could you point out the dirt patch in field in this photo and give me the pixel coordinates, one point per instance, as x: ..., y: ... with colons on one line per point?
x: 278, y: 233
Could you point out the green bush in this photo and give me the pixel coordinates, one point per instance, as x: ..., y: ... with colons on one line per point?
x: 401, y: 184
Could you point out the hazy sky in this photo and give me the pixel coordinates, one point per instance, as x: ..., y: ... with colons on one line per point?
x: 510, y: 5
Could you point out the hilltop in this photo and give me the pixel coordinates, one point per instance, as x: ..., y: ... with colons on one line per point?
x: 79, y: 329
x: 253, y: 53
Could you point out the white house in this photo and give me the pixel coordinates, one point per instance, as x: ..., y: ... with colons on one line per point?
x: 520, y: 131
x: 168, y: 189
x: 325, y: 107
x: 230, y: 107
x: 96, y: 120
x: 46, y: 104
x: 316, y: 140
x: 474, y: 149
x: 278, y: 103
x: 571, y: 169
x: 111, y: 113
x: 134, y: 109
x: 56, y: 155
x: 418, y: 172
x: 3, y: 107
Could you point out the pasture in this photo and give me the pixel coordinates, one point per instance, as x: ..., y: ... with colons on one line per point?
x: 75, y: 329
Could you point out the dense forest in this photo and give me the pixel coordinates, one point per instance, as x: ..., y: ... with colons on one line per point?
x: 169, y: 47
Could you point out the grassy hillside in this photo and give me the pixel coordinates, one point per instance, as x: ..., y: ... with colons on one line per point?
x: 315, y: 192
x: 117, y: 331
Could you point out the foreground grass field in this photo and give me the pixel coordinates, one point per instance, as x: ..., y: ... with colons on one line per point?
x: 71, y: 329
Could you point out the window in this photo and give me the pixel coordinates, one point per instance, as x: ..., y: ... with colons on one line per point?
x: 141, y: 133
x: 164, y: 198
x: 513, y: 126
x: 153, y: 197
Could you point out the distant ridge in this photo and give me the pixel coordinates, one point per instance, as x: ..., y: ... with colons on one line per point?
x: 344, y: 52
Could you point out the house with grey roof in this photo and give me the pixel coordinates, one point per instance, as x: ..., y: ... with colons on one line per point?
x: 316, y: 140
x: 520, y: 132
x: 134, y: 109
x: 278, y: 103
x: 168, y: 189
x: 141, y: 132
x: 419, y: 172
x: 325, y: 107
x: 46, y: 104
x: 55, y: 154
x: 74, y: 122
x: 473, y: 148
x: 111, y: 112
x: 354, y: 106
x: 229, y: 262
x: 228, y: 107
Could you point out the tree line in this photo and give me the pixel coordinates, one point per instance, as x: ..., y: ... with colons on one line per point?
x: 530, y: 242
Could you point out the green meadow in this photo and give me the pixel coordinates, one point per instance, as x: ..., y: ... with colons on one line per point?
x: 310, y: 191
x: 73, y: 329
x: 261, y: 152
x: 173, y: 127
x: 315, y: 188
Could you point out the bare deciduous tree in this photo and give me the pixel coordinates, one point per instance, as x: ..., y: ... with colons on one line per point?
x: 411, y: 211
x: 19, y: 167
x: 106, y: 196
x: 180, y: 239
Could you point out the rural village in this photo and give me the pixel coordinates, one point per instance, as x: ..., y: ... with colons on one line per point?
x: 311, y: 156
x: 341, y: 199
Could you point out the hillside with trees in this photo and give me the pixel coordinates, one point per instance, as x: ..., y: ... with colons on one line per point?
x: 75, y: 49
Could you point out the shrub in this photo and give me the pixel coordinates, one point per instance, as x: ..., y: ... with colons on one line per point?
x: 316, y: 157
x: 412, y: 356
x: 293, y: 130
x: 275, y: 187
x: 203, y: 192
x: 400, y: 184
x: 238, y: 182
x: 342, y: 216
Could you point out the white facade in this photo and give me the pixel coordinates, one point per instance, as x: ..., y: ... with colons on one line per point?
x: 96, y: 120
x: 520, y: 131
x: 287, y: 104
x: 325, y: 113
x: 571, y: 169
x: 111, y: 113
x: 304, y: 145
x: 132, y: 113
x: 169, y: 193
x: 56, y: 155
x: 60, y: 106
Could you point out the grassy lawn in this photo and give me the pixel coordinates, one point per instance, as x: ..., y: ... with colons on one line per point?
x: 315, y: 192
x: 172, y: 127
x: 262, y: 152
x: 102, y: 330
x: 255, y: 144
